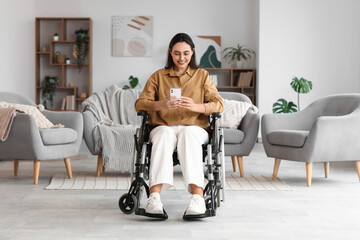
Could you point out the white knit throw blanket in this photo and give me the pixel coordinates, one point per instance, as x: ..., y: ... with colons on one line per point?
x: 116, y: 124
x: 234, y: 111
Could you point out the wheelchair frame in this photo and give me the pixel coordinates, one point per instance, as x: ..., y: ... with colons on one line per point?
x: 213, y: 156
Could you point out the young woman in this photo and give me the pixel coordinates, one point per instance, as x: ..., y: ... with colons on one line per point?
x: 179, y: 123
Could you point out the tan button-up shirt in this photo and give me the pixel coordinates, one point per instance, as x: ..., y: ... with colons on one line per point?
x: 195, y: 84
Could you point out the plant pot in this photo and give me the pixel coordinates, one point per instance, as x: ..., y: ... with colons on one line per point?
x: 56, y: 38
x: 239, y: 64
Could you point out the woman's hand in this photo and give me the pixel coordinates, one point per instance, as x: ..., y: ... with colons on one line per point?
x: 189, y: 104
x: 167, y: 104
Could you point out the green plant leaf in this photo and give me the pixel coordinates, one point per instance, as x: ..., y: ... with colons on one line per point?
x: 282, y: 106
x: 126, y: 87
x: 134, y: 81
x: 301, y: 85
x: 48, y: 89
x: 238, y: 53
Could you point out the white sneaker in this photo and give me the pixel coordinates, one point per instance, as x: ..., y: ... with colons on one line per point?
x: 154, y: 205
x: 196, y: 206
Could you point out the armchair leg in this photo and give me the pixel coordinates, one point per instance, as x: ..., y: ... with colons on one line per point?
x: 357, y: 164
x: 36, y: 171
x: 327, y: 168
x: 68, y: 167
x: 276, y: 168
x: 16, y: 167
x: 241, y: 165
x: 309, y: 173
x: 99, y: 165
x: 233, y: 158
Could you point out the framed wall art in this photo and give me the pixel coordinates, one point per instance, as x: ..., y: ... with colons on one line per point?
x: 208, y: 51
x: 132, y: 36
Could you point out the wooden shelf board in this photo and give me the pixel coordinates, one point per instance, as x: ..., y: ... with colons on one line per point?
x: 71, y: 64
x: 66, y: 88
x: 62, y: 41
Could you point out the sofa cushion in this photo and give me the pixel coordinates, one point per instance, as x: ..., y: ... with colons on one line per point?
x: 289, y: 138
x: 55, y: 136
x: 233, y: 136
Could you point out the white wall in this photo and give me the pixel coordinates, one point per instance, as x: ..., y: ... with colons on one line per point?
x: 17, y: 42
x: 318, y: 40
x: 233, y: 20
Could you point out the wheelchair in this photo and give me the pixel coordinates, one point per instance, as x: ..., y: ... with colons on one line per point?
x: 213, y: 157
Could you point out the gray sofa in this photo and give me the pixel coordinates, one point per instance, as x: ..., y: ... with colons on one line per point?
x: 238, y: 142
x: 326, y: 131
x: 27, y: 142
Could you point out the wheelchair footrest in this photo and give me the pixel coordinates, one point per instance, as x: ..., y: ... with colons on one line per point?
x: 208, y: 213
x: 142, y: 212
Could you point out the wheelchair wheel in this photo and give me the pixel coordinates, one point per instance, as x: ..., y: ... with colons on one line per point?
x: 127, y: 203
x: 209, y: 204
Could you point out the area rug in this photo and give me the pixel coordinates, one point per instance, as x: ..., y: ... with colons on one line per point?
x: 117, y: 182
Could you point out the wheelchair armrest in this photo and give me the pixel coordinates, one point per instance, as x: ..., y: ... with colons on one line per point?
x: 142, y: 113
x: 216, y: 115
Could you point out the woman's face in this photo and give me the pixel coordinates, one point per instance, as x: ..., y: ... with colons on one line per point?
x: 181, y: 54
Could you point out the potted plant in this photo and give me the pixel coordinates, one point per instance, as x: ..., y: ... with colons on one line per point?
x: 48, y: 90
x: 81, y: 47
x: 238, y: 54
x: 56, y: 37
x: 300, y: 86
x: 133, y: 81
x: 67, y: 60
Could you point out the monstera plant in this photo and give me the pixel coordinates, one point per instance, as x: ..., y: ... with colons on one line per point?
x: 300, y: 86
x: 282, y: 106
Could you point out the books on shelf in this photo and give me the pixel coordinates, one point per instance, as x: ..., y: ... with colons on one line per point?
x: 68, y: 103
x: 244, y: 79
x: 63, y: 104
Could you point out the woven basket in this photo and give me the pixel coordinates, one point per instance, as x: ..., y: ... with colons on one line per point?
x: 60, y: 58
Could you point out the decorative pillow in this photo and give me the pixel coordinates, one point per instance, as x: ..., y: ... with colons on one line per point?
x: 233, y: 113
x: 41, y: 120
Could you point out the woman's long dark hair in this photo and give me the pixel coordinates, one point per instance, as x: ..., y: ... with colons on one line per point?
x: 181, y: 37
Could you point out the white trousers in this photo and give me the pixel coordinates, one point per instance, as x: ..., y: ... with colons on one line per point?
x: 188, y: 141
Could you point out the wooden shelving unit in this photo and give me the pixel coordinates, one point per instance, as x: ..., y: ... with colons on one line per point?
x: 70, y: 80
x: 242, y: 80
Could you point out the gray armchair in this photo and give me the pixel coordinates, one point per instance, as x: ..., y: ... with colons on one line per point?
x: 326, y: 131
x: 27, y: 142
x: 239, y: 142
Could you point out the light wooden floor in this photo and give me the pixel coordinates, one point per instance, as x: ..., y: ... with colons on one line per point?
x: 329, y: 209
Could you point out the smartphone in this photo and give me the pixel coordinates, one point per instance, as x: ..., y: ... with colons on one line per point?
x: 175, y: 92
